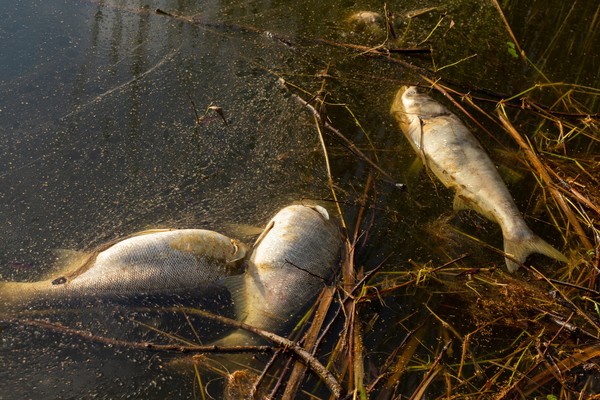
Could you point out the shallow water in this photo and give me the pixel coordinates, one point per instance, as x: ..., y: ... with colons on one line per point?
x: 99, y: 140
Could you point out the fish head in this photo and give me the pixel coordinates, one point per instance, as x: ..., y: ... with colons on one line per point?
x: 420, y: 105
x: 411, y: 99
x: 399, y: 110
x: 413, y: 110
x: 293, y: 230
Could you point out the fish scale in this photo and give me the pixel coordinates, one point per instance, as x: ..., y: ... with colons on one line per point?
x: 156, y: 262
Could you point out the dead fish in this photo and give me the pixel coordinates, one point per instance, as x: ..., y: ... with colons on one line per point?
x: 153, y: 261
x: 456, y: 158
x: 292, y: 260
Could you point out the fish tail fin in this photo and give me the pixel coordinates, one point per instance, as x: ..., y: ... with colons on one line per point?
x: 12, y: 294
x: 15, y: 296
x: 519, y: 248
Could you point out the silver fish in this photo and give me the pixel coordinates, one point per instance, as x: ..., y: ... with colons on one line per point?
x: 156, y: 261
x: 452, y: 153
x: 292, y: 259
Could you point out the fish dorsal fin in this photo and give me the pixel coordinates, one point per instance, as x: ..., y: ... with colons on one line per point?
x: 67, y: 257
x: 75, y: 267
x: 65, y: 262
x: 80, y: 266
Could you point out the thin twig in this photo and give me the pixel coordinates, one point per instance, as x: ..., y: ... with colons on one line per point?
x: 325, y: 301
x: 510, y: 32
x: 264, y: 373
x: 340, y: 135
x: 572, y: 285
x: 285, y: 344
x: 577, y: 358
x: 430, y: 375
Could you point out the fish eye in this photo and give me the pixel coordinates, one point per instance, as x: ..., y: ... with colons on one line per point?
x: 411, y: 91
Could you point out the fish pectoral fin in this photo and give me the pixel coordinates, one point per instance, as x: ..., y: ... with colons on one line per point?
x: 244, y: 230
x: 236, y: 286
x: 239, y: 337
x: 412, y: 174
x: 416, y: 167
x: 415, y: 134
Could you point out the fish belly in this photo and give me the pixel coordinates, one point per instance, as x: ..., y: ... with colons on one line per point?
x: 461, y: 164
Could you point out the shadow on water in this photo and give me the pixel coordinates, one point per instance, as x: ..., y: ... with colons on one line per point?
x: 100, y: 139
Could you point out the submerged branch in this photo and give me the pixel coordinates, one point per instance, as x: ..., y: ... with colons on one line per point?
x: 311, y: 342
x: 285, y: 344
x: 144, y: 345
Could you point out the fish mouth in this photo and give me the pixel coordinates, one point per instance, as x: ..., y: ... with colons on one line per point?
x: 321, y: 211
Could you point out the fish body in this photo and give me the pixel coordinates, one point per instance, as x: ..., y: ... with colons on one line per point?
x: 159, y: 261
x: 291, y: 261
x: 451, y: 152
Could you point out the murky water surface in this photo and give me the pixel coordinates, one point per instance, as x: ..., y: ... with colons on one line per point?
x: 98, y: 109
